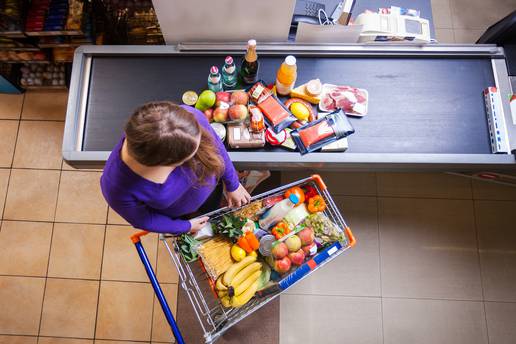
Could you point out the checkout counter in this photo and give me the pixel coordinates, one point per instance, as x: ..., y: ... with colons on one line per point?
x: 426, y: 108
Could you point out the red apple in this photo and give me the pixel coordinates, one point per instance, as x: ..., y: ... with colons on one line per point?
x: 220, y: 114
x: 307, y: 236
x: 222, y: 97
x: 310, y: 250
x: 238, y: 112
x: 239, y: 98
x: 282, y: 265
x: 279, y: 250
x: 209, y: 114
x: 297, y: 258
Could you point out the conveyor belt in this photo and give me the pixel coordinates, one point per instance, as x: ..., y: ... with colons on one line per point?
x: 417, y: 105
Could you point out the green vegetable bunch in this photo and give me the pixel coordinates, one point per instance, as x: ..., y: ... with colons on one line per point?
x: 187, y: 246
x: 230, y: 226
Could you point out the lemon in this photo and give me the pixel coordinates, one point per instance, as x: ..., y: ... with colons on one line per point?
x: 253, y: 254
x: 190, y: 98
x: 237, y: 253
x: 300, y: 111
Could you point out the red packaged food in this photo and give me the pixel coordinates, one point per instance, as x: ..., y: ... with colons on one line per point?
x: 316, y: 133
x: 257, y: 123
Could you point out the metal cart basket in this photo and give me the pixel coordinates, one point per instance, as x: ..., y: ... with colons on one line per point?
x: 213, y: 317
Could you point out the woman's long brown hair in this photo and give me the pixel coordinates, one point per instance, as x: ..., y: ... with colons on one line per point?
x: 163, y: 134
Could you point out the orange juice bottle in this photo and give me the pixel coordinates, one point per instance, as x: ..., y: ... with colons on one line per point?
x: 286, y: 77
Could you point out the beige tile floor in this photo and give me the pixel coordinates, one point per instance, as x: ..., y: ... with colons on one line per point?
x: 435, y: 260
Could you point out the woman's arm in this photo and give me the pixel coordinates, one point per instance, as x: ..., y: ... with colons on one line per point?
x: 142, y: 217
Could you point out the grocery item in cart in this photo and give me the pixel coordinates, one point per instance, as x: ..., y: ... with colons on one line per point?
x: 322, y: 132
x: 278, y: 212
x: 250, y: 211
x: 353, y: 101
x: 216, y: 255
x: 324, y: 229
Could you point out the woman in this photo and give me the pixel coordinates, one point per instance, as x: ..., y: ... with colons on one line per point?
x: 166, y: 167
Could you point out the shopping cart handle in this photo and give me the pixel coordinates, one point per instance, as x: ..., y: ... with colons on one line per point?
x: 136, y: 237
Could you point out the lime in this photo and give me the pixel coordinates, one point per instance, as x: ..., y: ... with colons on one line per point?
x: 189, y: 98
x: 206, y: 100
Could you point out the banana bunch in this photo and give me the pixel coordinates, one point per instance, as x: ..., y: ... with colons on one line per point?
x: 239, y: 283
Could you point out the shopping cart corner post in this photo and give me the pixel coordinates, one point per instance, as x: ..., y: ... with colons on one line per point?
x: 319, y: 181
x: 352, y: 240
x: 136, y: 239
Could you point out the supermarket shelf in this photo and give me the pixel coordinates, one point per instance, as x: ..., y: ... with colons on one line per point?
x: 60, y: 45
x: 19, y: 48
x: 12, y: 34
x: 54, y: 33
x: 36, y: 88
x: 23, y: 61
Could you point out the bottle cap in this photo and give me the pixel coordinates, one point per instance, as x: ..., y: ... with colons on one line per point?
x: 228, y: 60
x: 214, y: 70
x: 293, y: 198
x: 290, y: 60
x: 251, y: 42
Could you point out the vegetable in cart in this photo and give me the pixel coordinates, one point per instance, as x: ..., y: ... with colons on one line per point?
x: 316, y: 204
x: 188, y: 247
x: 324, y: 228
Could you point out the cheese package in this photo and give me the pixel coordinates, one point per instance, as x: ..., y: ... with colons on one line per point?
x: 239, y: 136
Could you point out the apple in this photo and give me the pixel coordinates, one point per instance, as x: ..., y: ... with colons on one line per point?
x: 238, y: 112
x: 239, y: 98
x: 297, y: 258
x: 220, y: 114
x: 209, y: 114
x: 222, y: 97
x: 293, y: 243
x: 279, y: 250
x: 282, y: 265
x: 307, y: 236
x: 310, y: 250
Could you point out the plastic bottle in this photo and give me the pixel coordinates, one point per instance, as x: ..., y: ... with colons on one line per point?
x: 229, y: 74
x: 286, y: 76
x: 214, y: 79
x: 278, y: 212
x: 249, y: 69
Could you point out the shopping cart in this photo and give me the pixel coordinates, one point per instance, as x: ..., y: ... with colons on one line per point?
x: 213, y: 317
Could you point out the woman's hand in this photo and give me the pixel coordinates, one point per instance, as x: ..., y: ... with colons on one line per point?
x: 238, y: 198
x: 197, y: 223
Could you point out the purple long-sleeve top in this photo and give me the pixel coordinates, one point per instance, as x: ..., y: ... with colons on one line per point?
x: 159, y: 207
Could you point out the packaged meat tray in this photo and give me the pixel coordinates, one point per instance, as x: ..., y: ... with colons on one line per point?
x: 353, y: 101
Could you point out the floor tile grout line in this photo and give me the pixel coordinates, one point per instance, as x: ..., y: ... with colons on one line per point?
x: 93, y: 279
x: 477, y: 237
x: 379, y: 253
x: 100, y: 284
x: 5, y: 197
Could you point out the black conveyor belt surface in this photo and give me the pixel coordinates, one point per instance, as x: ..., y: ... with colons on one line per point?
x: 416, y: 105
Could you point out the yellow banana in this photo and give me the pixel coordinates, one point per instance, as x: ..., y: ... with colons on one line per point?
x: 247, y: 283
x: 235, y: 268
x: 226, y: 302
x: 242, y: 299
x: 244, y: 273
x: 219, y: 285
x: 222, y: 293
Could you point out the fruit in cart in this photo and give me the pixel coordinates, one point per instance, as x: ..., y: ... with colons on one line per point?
x: 253, y: 254
x: 307, y: 236
x: 209, y: 114
x: 282, y: 265
x: 235, y: 269
x: 265, y: 276
x: 222, y: 293
x: 220, y: 114
x: 297, y: 258
x: 293, y: 243
x: 242, y: 299
x: 206, y: 100
x: 237, y: 112
x: 239, y: 98
x: 279, y: 250
x: 310, y: 250
x: 243, y: 274
x: 219, y: 285
x: 222, y: 97
x: 316, y: 204
x: 226, y: 301
x: 238, y: 290
x: 237, y: 253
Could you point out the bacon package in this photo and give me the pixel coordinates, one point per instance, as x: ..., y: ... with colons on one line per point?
x: 276, y: 114
x: 353, y: 101
x: 322, y: 132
